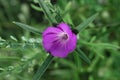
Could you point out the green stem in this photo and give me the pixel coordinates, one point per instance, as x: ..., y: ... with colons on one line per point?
x: 47, y: 11
x: 43, y: 67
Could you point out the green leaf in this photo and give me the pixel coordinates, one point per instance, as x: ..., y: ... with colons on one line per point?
x: 27, y: 27
x: 43, y: 68
x: 82, y: 55
x: 85, y: 24
x: 36, y: 7
x: 102, y: 45
x: 47, y: 11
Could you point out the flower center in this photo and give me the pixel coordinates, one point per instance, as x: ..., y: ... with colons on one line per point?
x: 63, y: 36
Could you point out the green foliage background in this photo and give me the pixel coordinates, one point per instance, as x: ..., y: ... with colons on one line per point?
x: 21, y: 52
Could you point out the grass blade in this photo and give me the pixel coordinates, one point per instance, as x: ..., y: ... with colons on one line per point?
x: 85, y: 24
x: 27, y: 27
x: 43, y: 68
x: 82, y: 55
x: 101, y: 45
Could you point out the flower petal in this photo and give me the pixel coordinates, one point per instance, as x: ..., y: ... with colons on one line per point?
x: 49, y: 35
x: 71, y: 44
x: 59, y: 50
x: 51, y: 30
x: 65, y: 27
x: 48, y: 41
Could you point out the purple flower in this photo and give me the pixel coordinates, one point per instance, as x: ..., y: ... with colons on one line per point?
x: 59, y: 41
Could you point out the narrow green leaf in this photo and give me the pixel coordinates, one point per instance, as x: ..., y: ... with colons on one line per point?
x: 101, y: 45
x: 85, y: 24
x: 36, y: 7
x: 82, y: 55
x: 47, y: 11
x: 27, y: 27
x: 58, y: 16
x: 1, y: 69
x: 43, y: 68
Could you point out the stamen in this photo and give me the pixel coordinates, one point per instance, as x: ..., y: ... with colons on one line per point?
x: 63, y: 36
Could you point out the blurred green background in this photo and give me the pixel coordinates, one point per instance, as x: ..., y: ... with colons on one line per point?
x: 21, y: 52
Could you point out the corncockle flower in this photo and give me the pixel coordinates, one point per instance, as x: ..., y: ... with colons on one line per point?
x: 59, y: 41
